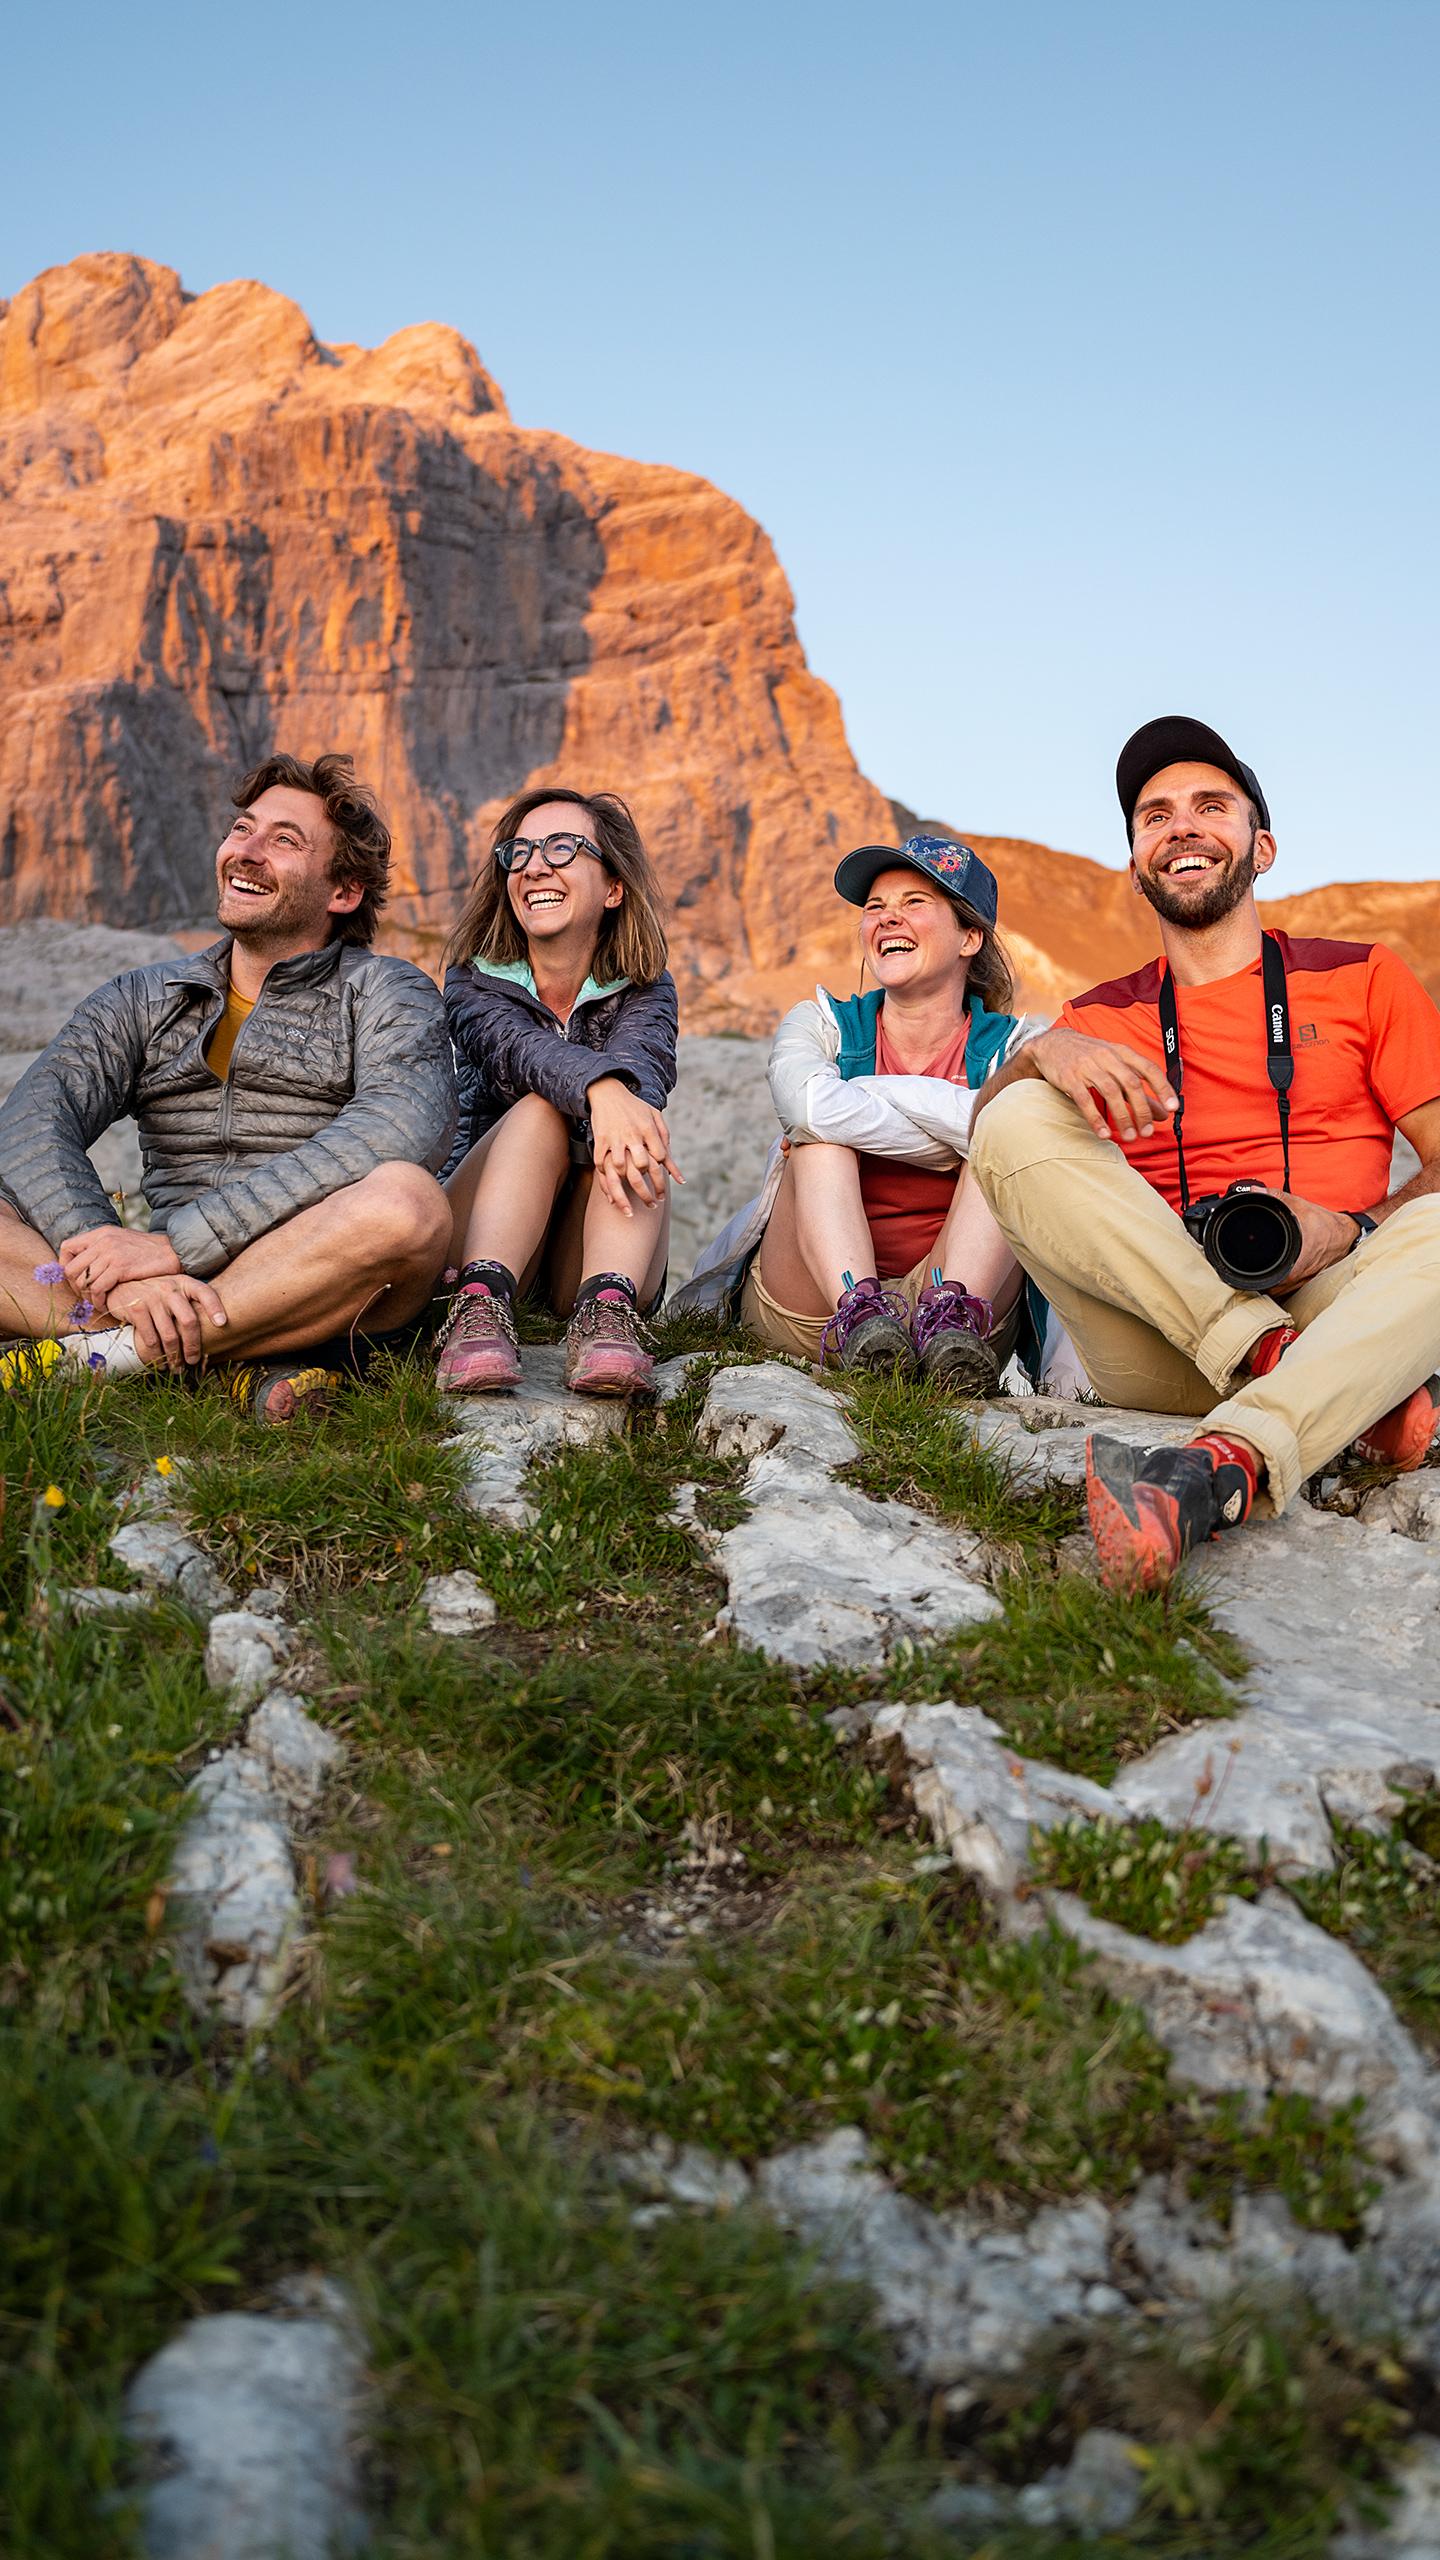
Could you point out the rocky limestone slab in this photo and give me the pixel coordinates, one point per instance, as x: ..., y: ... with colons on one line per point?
x: 456, y: 1604
x: 1412, y: 2529
x: 246, y: 2429
x: 1042, y: 1438
x: 160, y: 1553
x: 1259, y: 1999
x: 243, y: 1653
x: 501, y: 1437
x: 234, y: 1899
x: 818, y: 1572
x: 748, y: 1411
x: 980, y: 1796
x: 92, y: 1600
x: 1341, y: 1621
x: 962, y: 2299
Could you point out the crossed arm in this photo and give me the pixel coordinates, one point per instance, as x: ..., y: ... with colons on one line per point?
x: 1118, y: 1091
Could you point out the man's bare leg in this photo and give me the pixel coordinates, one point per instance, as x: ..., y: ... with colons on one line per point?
x: 27, y: 1305
x: 367, y: 1257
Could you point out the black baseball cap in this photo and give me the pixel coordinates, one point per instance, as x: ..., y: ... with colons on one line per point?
x: 955, y: 868
x: 1175, y: 740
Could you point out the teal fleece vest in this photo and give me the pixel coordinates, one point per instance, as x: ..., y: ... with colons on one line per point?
x: 857, y: 1017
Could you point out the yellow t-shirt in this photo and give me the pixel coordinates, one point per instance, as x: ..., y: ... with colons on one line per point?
x: 238, y: 1010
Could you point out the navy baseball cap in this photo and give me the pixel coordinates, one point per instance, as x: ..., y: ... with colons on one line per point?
x: 1175, y: 740
x: 952, y: 867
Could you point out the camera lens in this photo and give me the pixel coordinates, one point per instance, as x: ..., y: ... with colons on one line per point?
x: 1253, y: 1240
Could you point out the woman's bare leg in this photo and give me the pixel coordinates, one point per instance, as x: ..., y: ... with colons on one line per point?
x: 817, y: 1232
x: 27, y: 1305
x: 971, y: 1249
x: 503, y: 1195
x: 592, y: 1235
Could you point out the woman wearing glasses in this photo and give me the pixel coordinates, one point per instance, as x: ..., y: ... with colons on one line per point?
x: 563, y: 1015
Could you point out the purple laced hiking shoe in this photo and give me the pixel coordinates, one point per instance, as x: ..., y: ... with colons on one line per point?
x: 869, y: 1330
x: 479, y: 1347
x: 605, y: 1346
x: 951, y: 1333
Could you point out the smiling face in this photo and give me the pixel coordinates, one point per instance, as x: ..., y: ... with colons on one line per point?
x: 272, y: 874
x: 1196, y: 846
x: 914, y: 937
x: 549, y: 905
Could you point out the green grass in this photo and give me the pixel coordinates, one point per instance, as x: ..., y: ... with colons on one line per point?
x: 1162, y: 1884
x: 1382, y: 1897
x: 476, y: 2028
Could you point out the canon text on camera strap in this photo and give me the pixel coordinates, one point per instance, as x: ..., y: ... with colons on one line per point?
x: 1279, y: 1056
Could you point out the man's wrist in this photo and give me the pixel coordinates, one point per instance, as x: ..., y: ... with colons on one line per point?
x: 1365, y: 1225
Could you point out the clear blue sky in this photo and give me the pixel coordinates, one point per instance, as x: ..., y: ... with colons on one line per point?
x: 1079, y: 355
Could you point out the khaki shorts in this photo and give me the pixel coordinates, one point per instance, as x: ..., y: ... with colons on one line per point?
x: 782, y: 1330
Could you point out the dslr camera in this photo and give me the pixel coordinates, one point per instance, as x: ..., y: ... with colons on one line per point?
x: 1248, y: 1234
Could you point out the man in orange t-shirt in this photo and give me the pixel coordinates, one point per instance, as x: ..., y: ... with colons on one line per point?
x: 1238, y: 1057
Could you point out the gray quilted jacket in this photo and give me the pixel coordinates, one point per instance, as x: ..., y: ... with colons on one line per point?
x: 344, y: 1065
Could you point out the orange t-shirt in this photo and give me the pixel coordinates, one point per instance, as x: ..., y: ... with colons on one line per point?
x: 1366, y: 1042
x: 906, y: 1205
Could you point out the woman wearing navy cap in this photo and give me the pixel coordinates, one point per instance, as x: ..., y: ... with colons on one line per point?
x: 869, y: 1245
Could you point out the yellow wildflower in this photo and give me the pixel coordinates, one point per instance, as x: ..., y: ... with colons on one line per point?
x: 53, y: 1498
x: 164, y: 1466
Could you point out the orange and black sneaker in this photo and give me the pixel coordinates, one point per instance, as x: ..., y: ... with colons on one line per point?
x: 1402, y: 1437
x: 1149, y: 1508
x: 277, y: 1390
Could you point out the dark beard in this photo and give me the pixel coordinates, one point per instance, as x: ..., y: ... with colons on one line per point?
x: 1220, y: 899
x: 288, y: 915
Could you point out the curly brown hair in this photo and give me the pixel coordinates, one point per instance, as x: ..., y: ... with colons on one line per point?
x: 360, y: 839
x: 631, y: 941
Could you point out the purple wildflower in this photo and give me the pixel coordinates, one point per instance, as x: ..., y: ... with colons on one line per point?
x: 50, y: 1275
x: 82, y: 1311
x: 96, y: 1360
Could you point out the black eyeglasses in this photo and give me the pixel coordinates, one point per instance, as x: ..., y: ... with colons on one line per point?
x: 559, y: 851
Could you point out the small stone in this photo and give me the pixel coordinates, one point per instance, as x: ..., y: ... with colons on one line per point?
x: 1103, y: 2484
x: 247, y: 2428
x: 91, y: 1600
x: 455, y: 1604
x: 296, y: 1753
x: 162, y: 1555
x: 266, y: 1600
x: 243, y: 1653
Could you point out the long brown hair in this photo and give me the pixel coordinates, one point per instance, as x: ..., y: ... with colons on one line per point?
x: 631, y: 940
x: 990, y: 975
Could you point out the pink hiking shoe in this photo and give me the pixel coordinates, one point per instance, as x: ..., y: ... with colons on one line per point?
x: 479, y: 1347
x: 605, y: 1353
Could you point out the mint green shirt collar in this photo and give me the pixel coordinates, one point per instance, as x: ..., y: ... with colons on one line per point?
x: 518, y: 973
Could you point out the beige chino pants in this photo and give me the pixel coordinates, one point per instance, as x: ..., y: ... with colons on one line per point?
x: 1158, y: 1330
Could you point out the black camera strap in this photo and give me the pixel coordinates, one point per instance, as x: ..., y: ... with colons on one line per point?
x: 1279, y: 1056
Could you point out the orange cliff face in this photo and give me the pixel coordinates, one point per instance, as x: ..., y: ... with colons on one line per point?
x: 219, y: 537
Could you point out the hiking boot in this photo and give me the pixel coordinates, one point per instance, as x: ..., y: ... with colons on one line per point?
x: 950, y: 1332
x: 25, y: 1363
x: 1149, y: 1508
x: 1402, y: 1438
x: 278, y: 1390
x: 869, y: 1329
x: 605, y: 1342
x: 479, y: 1346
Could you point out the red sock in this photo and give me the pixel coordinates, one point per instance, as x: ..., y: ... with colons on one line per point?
x: 1224, y: 1452
x: 1264, y: 1355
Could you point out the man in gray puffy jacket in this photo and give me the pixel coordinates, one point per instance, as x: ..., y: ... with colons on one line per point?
x: 294, y: 1093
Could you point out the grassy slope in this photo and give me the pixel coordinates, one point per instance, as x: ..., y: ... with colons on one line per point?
x: 532, y: 1820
